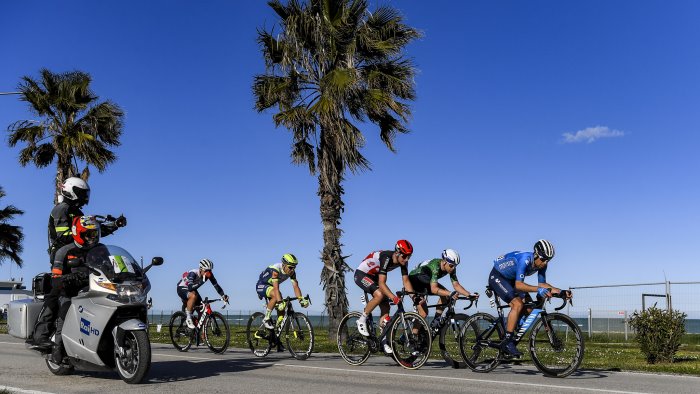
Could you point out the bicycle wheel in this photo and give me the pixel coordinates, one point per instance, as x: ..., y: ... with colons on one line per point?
x: 449, y: 341
x: 352, y: 345
x: 258, y: 336
x: 478, y: 331
x: 410, y: 340
x: 556, y: 345
x: 216, y: 333
x: 180, y: 335
x: 299, y: 335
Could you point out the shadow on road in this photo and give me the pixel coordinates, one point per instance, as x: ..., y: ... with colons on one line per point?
x: 181, y: 370
x: 518, y: 369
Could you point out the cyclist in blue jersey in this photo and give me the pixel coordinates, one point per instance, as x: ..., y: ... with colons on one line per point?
x: 507, y: 280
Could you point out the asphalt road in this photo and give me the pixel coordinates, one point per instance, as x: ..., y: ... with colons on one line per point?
x: 239, y: 371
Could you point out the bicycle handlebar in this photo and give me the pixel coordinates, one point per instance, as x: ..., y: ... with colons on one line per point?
x: 289, y: 299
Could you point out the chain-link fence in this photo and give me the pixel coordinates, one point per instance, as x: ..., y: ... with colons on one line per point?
x: 606, y: 309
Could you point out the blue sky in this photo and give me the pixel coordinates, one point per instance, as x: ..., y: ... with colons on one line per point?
x: 575, y: 122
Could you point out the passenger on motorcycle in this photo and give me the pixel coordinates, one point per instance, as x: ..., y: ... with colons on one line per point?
x: 269, y: 290
x: 75, y: 193
x: 193, y: 280
x: 69, y: 275
x: 371, y: 276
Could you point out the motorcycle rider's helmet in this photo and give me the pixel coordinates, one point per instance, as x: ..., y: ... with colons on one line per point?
x: 76, y: 191
x: 206, y: 265
x: 451, y: 256
x: 290, y: 260
x: 544, y: 249
x: 404, y: 247
x: 85, y: 231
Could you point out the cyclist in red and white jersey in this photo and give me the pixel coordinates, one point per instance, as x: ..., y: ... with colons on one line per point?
x: 371, y: 277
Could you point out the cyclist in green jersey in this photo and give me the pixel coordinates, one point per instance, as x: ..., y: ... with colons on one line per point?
x: 424, y: 278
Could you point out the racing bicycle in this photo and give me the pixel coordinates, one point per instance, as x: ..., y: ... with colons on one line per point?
x: 448, y: 328
x: 407, y: 332
x: 556, y: 343
x: 294, y: 328
x: 210, y: 328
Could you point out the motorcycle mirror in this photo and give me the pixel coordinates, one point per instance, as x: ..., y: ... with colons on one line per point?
x: 157, y: 261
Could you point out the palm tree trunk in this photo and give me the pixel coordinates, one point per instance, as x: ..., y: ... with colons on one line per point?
x: 64, y: 170
x: 330, y: 192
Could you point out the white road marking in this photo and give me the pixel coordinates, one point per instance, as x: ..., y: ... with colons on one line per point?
x: 420, y: 376
x: 18, y: 390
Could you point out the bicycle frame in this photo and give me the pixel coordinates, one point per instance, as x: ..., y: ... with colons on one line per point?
x: 523, y: 325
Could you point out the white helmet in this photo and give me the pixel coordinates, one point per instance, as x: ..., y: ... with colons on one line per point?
x: 451, y: 256
x: 76, y: 190
x: 206, y: 265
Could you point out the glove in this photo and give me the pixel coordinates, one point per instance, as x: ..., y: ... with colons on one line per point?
x: 225, y: 297
x: 120, y: 221
x: 304, y: 302
x: 281, y: 306
x: 396, y: 300
x: 543, y: 292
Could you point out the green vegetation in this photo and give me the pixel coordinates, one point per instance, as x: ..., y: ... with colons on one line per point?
x: 10, y: 236
x: 73, y: 125
x: 659, y: 333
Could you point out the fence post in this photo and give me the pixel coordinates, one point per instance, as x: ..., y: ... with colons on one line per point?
x: 625, y: 326
x: 590, y: 323
x: 668, y: 296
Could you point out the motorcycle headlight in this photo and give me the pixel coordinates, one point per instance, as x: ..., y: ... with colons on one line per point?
x: 131, y: 294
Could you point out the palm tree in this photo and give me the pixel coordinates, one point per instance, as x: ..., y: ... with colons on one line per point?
x: 10, y: 236
x: 333, y: 65
x: 73, y: 125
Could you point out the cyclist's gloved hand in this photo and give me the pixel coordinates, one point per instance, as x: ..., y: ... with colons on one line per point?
x: 543, y: 292
x: 225, y: 297
x: 304, y: 302
x: 120, y: 221
x: 281, y: 306
x: 396, y: 300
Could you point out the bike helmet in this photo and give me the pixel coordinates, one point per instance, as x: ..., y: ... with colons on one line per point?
x: 206, y: 265
x: 451, y: 256
x: 290, y: 259
x: 76, y: 190
x: 544, y: 249
x: 404, y: 247
x: 86, y: 231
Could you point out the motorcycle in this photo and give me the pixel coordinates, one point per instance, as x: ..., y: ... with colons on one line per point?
x: 106, y: 324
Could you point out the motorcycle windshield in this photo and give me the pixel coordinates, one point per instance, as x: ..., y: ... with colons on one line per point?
x: 114, y: 262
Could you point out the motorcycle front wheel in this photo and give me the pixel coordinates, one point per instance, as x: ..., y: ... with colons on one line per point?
x: 135, y: 361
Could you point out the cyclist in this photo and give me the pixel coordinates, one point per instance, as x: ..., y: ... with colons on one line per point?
x: 68, y: 277
x: 75, y: 193
x: 507, y: 281
x: 371, y: 277
x: 189, y: 284
x: 424, y: 278
x: 268, y: 287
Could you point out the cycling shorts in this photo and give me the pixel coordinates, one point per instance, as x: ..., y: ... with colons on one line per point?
x: 184, y: 294
x: 503, y: 287
x: 264, y: 291
x: 421, y: 283
x: 368, y: 283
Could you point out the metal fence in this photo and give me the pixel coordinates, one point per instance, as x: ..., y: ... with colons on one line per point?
x: 607, y: 309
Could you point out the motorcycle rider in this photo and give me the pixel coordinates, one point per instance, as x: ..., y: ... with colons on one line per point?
x: 75, y: 193
x: 69, y: 275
